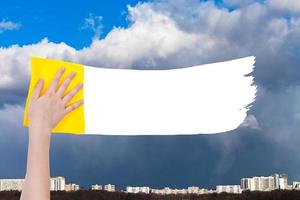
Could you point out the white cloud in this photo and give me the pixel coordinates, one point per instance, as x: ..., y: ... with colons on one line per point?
x: 285, y: 5
x: 14, y: 61
x: 158, y: 34
x: 150, y: 37
x: 251, y: 122
x: 8, y: 26
x: 94, y: 23
x: 169, y: 34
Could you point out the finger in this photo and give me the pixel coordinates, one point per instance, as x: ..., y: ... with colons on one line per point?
x: 72, y: 93
x: 54, y: 83
x: 37, y: 89
x: 65, y: 84
x: 74, y: 106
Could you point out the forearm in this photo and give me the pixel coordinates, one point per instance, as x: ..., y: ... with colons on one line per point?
x: 37, y: 180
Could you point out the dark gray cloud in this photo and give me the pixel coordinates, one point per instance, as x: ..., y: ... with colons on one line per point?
x: 12, y: 97
x: 173, y: 34
x: 13, y: 139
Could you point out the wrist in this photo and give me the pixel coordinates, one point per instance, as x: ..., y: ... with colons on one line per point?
x: 40, y: 125
x: 39, y: 132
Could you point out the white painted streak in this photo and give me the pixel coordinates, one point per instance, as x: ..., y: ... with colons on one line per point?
x: 203, y: 99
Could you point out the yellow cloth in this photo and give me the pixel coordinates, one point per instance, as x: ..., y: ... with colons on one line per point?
x: 46, y: 69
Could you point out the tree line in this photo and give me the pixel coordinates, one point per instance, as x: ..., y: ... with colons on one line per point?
x: 103, y: 195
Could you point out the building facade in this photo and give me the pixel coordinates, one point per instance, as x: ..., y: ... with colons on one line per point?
x: 235, y: 189
x: 57, y: 183
x: 276, y: 181
x: 109, y: 188
x: 283, y: 182
x: 97, y: 187
x: 265, y: 183
x: 189, y: 190
x: 71, y: 187
x: 246, y: 183
x: 296, y: 185
x: 131, y: 189
x: 11, y: 184
x: 193, y: 190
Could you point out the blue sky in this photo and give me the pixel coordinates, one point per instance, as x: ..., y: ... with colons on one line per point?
x: 60, y: 21
x: 169, y: 33
x: 63, y: 21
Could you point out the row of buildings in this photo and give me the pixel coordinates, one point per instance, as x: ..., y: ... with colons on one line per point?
x: 168, y: 190
x: 56, y: 184
x: 257, y: 183
x: 262, y: 183
x: 267, y: 183
x: 108, y: 187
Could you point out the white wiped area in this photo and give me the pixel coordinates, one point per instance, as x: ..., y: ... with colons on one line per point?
x: 202, y: 99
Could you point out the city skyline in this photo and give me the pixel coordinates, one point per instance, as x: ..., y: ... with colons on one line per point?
x: 257, y: 183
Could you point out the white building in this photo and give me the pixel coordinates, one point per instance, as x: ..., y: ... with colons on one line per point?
x: 211, y: 191
x: 283, y: 182
x: 109, y: 188
x: 193, y: 190
x: 262, y: 183
x: 189, y: 190
x: 276, y: 181
x: 72, y: 187
x: 266, y: 183
x: 254, y: 185
x: 57, y: 183
x: 11, y: 184
x: 235, y: 189
x: 246, y: 183
x: 251, y: 184
x: 165, y: 190
x: 157, y: 191
x: 168, y: 190
x: 180, y: 191
x: 97, y: 187
x: 289, y: 187
x: 131, y: 189
x: 296, y: 185
x: 206, y: 191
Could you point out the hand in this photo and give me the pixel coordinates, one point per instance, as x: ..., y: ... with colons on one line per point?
x: 47, y: 110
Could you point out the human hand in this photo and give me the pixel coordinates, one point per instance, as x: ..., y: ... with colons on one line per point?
x: 47, y: 110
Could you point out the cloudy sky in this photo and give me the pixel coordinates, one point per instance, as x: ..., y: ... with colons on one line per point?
x: 156, y: 35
